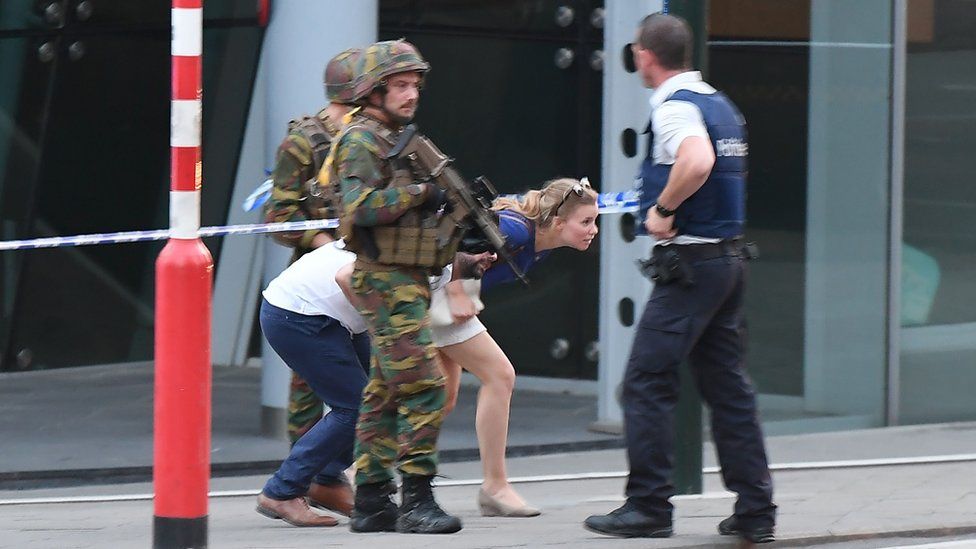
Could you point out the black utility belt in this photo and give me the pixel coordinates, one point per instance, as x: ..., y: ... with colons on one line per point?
x: 671, y: 263
x: 711, y: 250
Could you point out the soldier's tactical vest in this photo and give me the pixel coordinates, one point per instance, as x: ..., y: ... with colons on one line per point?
x: 718, y: 208
x: 318, y: 131
x: 412, y: 240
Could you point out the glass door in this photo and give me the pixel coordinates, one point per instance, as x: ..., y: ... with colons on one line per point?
x: 938, y: 297
x: 84, y: 148
x: 514, y: 93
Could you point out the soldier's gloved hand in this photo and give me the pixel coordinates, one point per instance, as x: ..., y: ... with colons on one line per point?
x: 436, y: 197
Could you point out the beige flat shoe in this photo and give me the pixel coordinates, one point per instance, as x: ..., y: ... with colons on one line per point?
x: 491, y: 507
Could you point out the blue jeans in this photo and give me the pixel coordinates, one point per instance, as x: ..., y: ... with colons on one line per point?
x: 334, y: 363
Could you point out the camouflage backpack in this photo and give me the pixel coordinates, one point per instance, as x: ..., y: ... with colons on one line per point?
x: 339, y: 78
x: 317, y: 131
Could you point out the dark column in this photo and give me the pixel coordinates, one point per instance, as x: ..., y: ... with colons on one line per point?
x: 688, y: 418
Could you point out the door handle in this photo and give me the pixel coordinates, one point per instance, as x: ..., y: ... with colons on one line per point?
x: 559, y: 348
x: 53, y: 13
x: 46, y: 52
x: 564, y: 58
x: 83, y: 11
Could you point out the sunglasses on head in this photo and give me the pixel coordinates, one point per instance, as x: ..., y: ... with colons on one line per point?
x: 579, y: 188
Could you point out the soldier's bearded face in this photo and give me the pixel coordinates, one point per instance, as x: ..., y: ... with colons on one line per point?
x: 402, y: 96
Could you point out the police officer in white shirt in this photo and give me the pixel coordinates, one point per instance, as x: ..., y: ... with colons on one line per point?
x: 693, y: 199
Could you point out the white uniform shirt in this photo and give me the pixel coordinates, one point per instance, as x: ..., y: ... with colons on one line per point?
x: 308, y: 287
x: 674, y: 121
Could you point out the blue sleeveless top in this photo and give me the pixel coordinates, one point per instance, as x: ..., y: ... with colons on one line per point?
x: 519, y: 234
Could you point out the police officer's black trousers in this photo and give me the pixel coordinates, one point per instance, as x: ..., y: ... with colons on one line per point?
x: 704, y: 323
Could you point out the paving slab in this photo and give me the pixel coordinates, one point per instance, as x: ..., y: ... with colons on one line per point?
x: 812, y: 510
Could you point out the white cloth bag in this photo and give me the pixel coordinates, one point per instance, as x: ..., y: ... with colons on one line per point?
x: 440, y: 311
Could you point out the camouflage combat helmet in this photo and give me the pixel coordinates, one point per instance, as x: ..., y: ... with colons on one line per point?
x: 341, y: 75
x: 383, y: 59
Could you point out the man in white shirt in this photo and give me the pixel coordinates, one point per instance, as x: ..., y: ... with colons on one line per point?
x: 693, y: 195
x: 313, y: 327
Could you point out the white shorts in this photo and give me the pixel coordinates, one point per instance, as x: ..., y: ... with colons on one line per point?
x: 457, y: 333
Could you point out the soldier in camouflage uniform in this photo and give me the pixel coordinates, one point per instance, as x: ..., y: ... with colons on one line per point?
x: 298, y: 161
x: 403, y: 402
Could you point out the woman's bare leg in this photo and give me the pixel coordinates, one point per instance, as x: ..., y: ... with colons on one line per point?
x: 483, y: 357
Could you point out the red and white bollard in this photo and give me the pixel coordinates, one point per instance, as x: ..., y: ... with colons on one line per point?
x: 184, y: 277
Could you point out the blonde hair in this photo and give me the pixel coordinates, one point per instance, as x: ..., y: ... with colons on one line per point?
x: 556, y: 197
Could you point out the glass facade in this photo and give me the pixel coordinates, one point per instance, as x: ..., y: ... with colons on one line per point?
x: 819, y: 127
x: 84, y: 148
x: 763, y: 64
x: 938, y: 297
x: 860, y: 309
x: 514, y: 93
x: 819, y: 84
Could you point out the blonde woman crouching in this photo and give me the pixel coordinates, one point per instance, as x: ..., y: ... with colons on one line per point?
x: 562, y: 214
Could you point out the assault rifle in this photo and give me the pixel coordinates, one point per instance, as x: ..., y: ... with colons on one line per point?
x: 469, y: 205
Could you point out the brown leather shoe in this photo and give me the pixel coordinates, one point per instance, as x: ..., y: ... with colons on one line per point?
x: 294, y: 511
x: 337, y: 498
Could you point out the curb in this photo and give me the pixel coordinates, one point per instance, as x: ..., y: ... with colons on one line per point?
x: 58, y: 478
x: 940, y: 532
x: 826, y: 539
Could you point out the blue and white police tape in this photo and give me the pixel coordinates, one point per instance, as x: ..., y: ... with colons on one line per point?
x: 259, y: 196
x: 607, y: 203
x: 162, y: 234
x: 627, y: 201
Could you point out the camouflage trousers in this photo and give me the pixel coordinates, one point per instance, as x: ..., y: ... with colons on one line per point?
x: 305, y: 409
x: 402, y: 409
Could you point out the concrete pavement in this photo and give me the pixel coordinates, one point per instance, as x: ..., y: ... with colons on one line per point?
x: 877, y: 506
x: 92, y: 427
x: 94, y: 424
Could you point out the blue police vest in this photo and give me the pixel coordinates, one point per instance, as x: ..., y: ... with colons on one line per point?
x: 718, y: 208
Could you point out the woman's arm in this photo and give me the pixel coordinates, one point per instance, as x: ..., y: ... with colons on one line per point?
x: 343, y: 278
x: 460, y: 304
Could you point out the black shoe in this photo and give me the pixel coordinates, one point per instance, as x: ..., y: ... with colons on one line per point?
x: 374, y: 510
x: 628, y: 521
x: 419, y: 512
x: 730, y: 527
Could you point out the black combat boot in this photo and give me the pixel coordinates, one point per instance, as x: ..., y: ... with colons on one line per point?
x: 374, y: 510
x: 754, y: 533
x: 419, y: 513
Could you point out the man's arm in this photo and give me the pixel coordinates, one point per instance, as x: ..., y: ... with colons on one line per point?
x: 691, y: 168
x: 683, y: 133
x: 343, y: 278
x: 293, y: 167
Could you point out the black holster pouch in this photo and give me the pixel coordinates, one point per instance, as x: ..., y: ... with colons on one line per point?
x: 749, y: 251
x: 665, y: 266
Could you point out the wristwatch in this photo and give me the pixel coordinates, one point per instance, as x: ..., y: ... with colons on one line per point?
x: 664, y: 212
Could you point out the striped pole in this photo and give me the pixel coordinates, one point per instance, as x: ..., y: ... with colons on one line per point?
x: 184, y: 277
